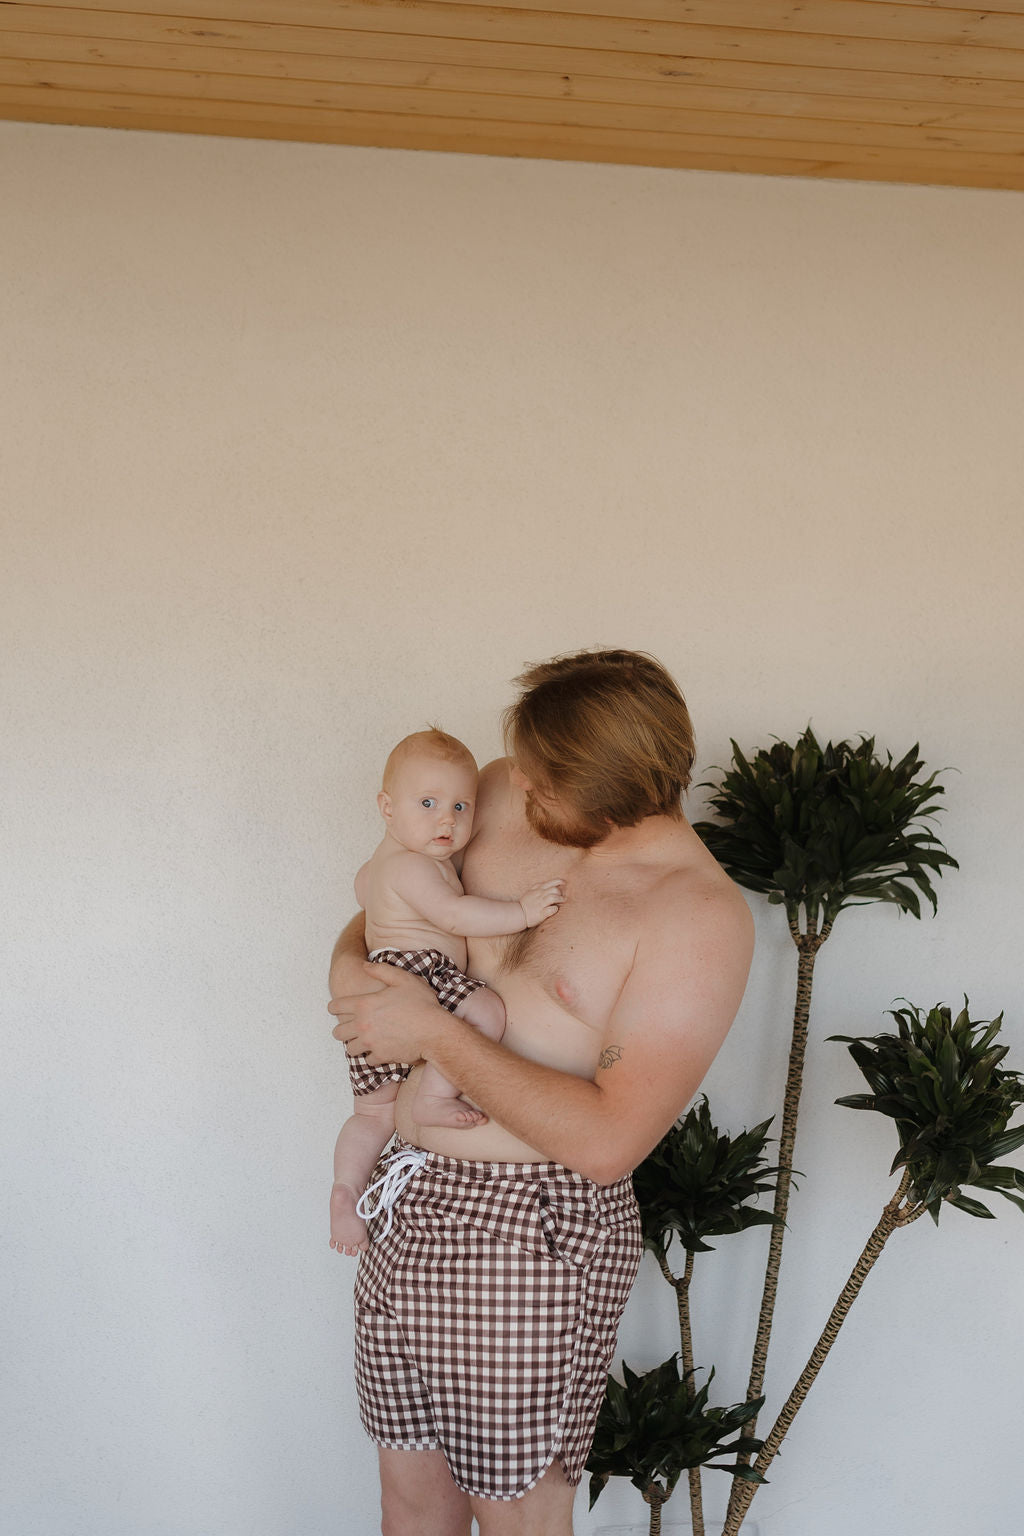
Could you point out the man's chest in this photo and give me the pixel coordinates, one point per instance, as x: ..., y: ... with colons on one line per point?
x: 578, y: 959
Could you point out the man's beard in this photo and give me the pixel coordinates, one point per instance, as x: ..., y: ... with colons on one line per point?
x: 566, y: 834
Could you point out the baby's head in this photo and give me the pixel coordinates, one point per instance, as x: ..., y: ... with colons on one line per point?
x: 429, y: 793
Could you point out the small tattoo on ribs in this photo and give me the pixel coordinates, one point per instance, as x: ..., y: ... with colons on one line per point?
x: 610, y: 1055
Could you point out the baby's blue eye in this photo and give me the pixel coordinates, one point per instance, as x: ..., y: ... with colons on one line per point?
x: 460, y: 805
x: 428, y: 803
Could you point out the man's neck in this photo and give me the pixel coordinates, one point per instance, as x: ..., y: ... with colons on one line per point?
x: 624, y: 844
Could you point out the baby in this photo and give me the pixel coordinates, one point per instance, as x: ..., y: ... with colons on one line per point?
x: 418, y: 917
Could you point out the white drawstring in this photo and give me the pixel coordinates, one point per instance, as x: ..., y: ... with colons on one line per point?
x: 400, y: 1168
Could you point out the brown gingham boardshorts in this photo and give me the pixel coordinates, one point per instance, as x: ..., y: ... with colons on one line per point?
x: 486, y: 1318
x: 450, y: 987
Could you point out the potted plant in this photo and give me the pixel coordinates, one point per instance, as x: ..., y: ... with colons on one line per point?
x: 940, y: 1079
x: 818, y: 830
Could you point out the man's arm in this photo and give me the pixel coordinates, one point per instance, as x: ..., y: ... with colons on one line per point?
x: 673, y: 1012
x: 347, y: 973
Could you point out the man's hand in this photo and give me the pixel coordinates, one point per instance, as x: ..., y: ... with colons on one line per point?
x: 397, y: 1022
x: 542, y: 901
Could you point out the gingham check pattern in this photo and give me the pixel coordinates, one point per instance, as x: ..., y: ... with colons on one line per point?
x: 486, y: 1318
x: 450, y: 986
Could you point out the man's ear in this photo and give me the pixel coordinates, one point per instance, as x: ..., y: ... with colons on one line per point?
x: 384, y: 805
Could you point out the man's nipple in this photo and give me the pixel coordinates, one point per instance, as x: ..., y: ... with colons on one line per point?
x: 565, y: 992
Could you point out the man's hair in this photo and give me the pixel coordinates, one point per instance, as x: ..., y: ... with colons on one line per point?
x: 430, y: 743
x: 607, y: 731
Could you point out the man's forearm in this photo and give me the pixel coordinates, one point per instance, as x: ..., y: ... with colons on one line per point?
x: 601, y: 1132
x: 348, y: 959
x: 564, y: 1117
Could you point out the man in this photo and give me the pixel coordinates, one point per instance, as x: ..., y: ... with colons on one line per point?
x: 487, y: 1310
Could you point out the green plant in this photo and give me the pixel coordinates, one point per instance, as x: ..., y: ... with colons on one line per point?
x: 699, y: 1183
x: 818, y: 829
x: 939, y: 1078
x: 654, y: 1426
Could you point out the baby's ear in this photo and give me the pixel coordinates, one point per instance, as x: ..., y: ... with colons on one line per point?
x: 384, y: 805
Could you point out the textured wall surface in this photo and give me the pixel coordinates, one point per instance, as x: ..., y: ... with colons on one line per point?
x: 307, y: 446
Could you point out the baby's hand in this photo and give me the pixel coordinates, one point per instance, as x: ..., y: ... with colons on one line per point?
x: 542, y: 901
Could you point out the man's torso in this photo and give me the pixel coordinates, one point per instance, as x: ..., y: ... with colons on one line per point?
x: 560, y: 981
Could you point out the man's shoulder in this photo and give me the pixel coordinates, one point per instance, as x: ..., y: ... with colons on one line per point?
x: 494, y: 776
x: 695, y: 939
x: 493, y: 793
x: 695, y: 890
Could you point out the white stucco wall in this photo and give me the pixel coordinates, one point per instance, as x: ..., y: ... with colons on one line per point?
x: 306, y: 446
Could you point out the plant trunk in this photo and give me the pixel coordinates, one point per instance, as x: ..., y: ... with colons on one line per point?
x: 681, y: 1286
x: 807, y: 945
x: 686, y: 1342
x: 696, y: 1502
x: 891, y: 1218
x: 655, y: 1499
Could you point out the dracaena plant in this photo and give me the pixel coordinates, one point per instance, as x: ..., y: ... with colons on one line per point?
x: 654, y: 1426
x: 699, y: 1183
x: 942, y: 1081
x: 816, y: 830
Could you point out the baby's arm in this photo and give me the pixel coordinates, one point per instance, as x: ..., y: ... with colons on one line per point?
x: 418, y: 881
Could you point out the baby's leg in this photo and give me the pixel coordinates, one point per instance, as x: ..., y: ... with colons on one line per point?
x: 360, y: 1142
x: 437, y: 1100
x: 485, y: 1010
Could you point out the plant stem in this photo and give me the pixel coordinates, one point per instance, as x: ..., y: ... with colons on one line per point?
x: 655, y: 1499
x: 696, y: 1502
x: 891, y: 1218
x: 681, y: 1286
x: 685, y: 1325
x: 807, y: 945
x: 686, y: 1341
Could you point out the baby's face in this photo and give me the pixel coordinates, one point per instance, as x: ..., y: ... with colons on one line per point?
x: 430, y: 806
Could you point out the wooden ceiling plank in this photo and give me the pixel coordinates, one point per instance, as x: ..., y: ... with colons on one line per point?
x: 1004, y: 7
x: 384, y: 137
x: 1000, y: 26
x: 949, y: 25
x: 910, y: 22
x: 835, y: 154
x: 601, y: 63
x: 473, y: 80
x: 557, y: 29
x: 483, y: 106
x: 828, y: 18
x: 765, y: 85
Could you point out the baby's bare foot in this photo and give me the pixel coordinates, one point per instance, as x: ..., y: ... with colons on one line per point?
x: 348, y: 1230
x: 441, y: 1109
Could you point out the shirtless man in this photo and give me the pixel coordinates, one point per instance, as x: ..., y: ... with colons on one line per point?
x: 486, y: 1318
